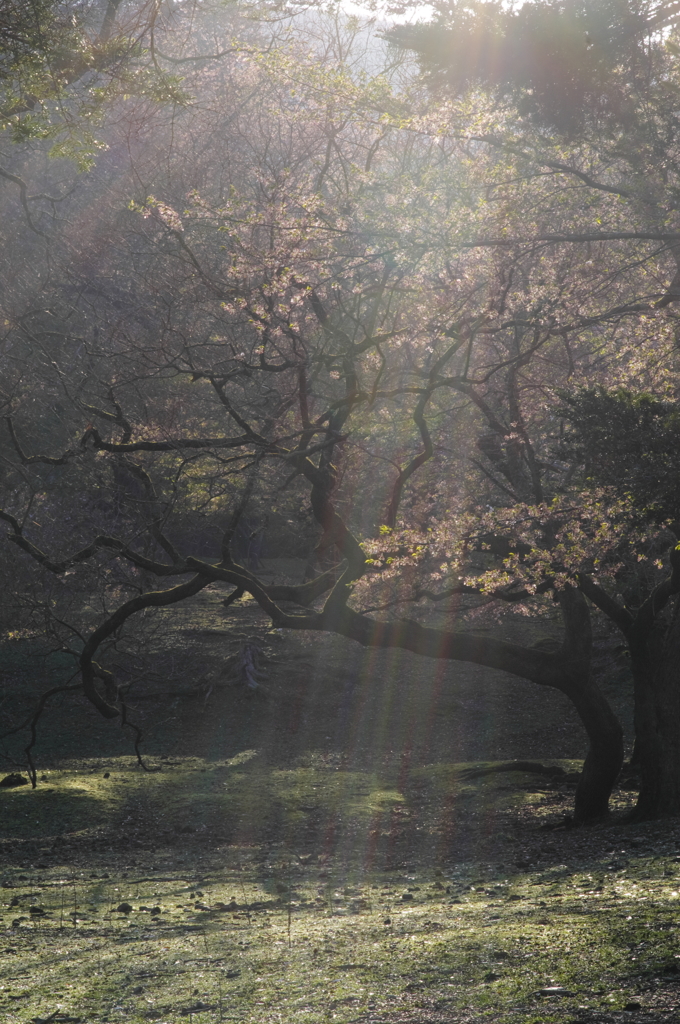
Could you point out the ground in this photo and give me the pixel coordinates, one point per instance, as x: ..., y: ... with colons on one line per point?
x: 327, y: 846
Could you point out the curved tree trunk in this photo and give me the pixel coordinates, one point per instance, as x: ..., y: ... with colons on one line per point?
x: 605, y: 754
x: 568, y: 670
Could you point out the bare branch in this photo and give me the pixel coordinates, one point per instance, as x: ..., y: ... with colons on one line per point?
x: 152, y: 599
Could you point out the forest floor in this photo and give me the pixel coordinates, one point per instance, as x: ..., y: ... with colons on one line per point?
x: 328, y: 846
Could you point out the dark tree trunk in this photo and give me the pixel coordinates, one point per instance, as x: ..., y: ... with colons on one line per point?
x: 568, y: 671
x: 656, y: 671
x: 605, y: 753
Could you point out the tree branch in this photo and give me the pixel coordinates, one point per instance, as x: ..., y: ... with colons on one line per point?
x: 602, y: 600
x: 586, y: 236
x: 93, y: 436
x: 23, y: 193
x: 661, y: 595
x: 152, y: 599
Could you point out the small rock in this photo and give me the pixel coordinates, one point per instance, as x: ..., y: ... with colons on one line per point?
x: 123, y: 908
x: 407, y: 896
x: 137, y: 990
x: 226, y: 906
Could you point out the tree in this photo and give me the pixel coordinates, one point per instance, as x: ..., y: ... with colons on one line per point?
x: 300, y: 337
x: 635, y: 434
x: 627, y: 440
x: 586, y: 93
x: 65, y: 68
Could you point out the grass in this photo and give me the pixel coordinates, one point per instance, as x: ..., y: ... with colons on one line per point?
x: 282, y: 921
x: 322, y: 859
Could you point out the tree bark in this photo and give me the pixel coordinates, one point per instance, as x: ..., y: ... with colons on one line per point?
x: 605, y: 753
x: 656, y: 672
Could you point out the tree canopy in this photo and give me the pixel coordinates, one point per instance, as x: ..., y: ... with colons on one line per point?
x: 571, y: 66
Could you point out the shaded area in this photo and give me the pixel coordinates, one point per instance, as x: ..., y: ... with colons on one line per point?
x: 258, y: 932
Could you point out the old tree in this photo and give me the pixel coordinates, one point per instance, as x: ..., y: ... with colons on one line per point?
x: 314, y: 274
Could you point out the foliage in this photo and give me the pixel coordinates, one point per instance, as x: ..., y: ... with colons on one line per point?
x: 63, y: 64
x: 628, y: 441
x: 568, y: 65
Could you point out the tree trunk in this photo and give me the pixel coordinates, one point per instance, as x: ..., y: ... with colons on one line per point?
x: 568, y: 670
x: 605, y: 754
x: 656, y: 671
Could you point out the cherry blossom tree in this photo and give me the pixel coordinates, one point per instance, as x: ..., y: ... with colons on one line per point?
x: 583, y: 96
x: 314, y: 283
